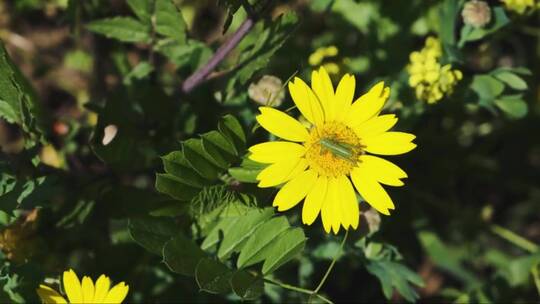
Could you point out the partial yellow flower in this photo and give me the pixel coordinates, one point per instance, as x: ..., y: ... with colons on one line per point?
x: 85, y: 291
x: 430, y: 80
x: 321, y: 162
x: 518, y: 6
x: 323, y: 53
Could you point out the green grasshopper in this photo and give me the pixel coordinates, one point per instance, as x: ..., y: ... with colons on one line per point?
x: 342, y: 150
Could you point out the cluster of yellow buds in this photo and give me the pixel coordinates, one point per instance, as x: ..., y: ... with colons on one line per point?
x: 322, y: 53
x: 518, y: 6
x: 431, y: 80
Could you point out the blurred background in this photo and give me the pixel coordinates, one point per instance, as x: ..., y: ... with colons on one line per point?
x: 106, y: 103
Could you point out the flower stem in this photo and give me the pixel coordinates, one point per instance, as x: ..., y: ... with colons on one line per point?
x: 323, y: 280
x: 515, y: 239
x: 297, y: 289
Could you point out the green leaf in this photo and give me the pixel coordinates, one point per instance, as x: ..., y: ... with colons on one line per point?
x: 395, y: 275
x: 169, y: 21
x: 18, y: 101
x: 265, y: 42
x: 176, y: 164
x: 512, y: 80
x: 232, y: 129
x: 445, y: 257
x: 518, y: 270
x: 221, y: 144
x: 287, y: 246
x: 215, y: 235
x: 247, y: 286
x: 125, y: 29
x: 487, y: 87
x: 248, y: 171
x: 152, y: 232
x: 139, y: 72
x: 449, y: 15
x: 253, y: 251
x: 513, y: 106
x: 213, y: 276
x: 242, y: 230
x: 142, y: 8
x: 182, y: 255
x: 175, y: 187
x: 199, y: 160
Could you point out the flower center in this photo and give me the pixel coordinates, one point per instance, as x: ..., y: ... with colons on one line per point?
x: 333, y: 149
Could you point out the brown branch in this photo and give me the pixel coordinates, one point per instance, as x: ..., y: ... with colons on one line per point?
x: 202, y: 74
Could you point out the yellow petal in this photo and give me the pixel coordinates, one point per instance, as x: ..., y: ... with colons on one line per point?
x: 72, y: 286
x: 275, y: 151
x: 382, y: 170
x: 376, y: 125
x: 328, y: 215
x: 333, y: 205
x: 344, y: 96
x: 282, y: 125
x: 349, y: 203
x: 103, y: 284
x: 368, y: 105
x: 389, y: 143
x: 314, y: 201
x: 280, y: 172
x: 49, y: 295
x: 322, y: 85
x: 87, y: 290
x: 295, y: 190
x: 307, y: 102
x: 372, y: 192
x: 117, y: 294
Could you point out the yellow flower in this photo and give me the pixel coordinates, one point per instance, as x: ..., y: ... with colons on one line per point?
x: 431, y: 80
x: 518, y: 6
x: 85, y: 291
x: 320, y: 163
x: 322, y: 53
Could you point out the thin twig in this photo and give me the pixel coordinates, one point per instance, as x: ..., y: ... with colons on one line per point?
x: 297, y: 289
x: 200, y: 75
x: 333, y: 263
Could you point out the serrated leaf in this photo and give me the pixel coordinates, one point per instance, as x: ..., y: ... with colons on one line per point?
x: 514, y: 108
x: 242, y: 230
x: 18, y: 101
x: 125, y: 29
x: 182, y: 255
x: 254, y: 250
x: 230, y: 127
x: 174, y: 187
x: 247, y: 286
x: 284, y: 249
x: 139, y: 72
x: 215, y: 153
x: 199, y: 160
x: 213, y: 276
x: 512, y: 80
x: 395, y: 275
x: 169, y: 21
x: 152, y: 232
x: 176, y: 164
x: 142, y: 9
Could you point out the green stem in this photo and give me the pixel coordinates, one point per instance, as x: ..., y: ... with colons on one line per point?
x: 297, y: 289
x: 536, y: 277
x: 333, y: 263
x: 515, y: 239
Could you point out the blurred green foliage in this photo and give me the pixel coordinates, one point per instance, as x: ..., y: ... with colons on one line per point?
x: 108, y: 166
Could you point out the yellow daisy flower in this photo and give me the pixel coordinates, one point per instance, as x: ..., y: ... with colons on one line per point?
x: 85, y: 291
x: 320, y: 163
